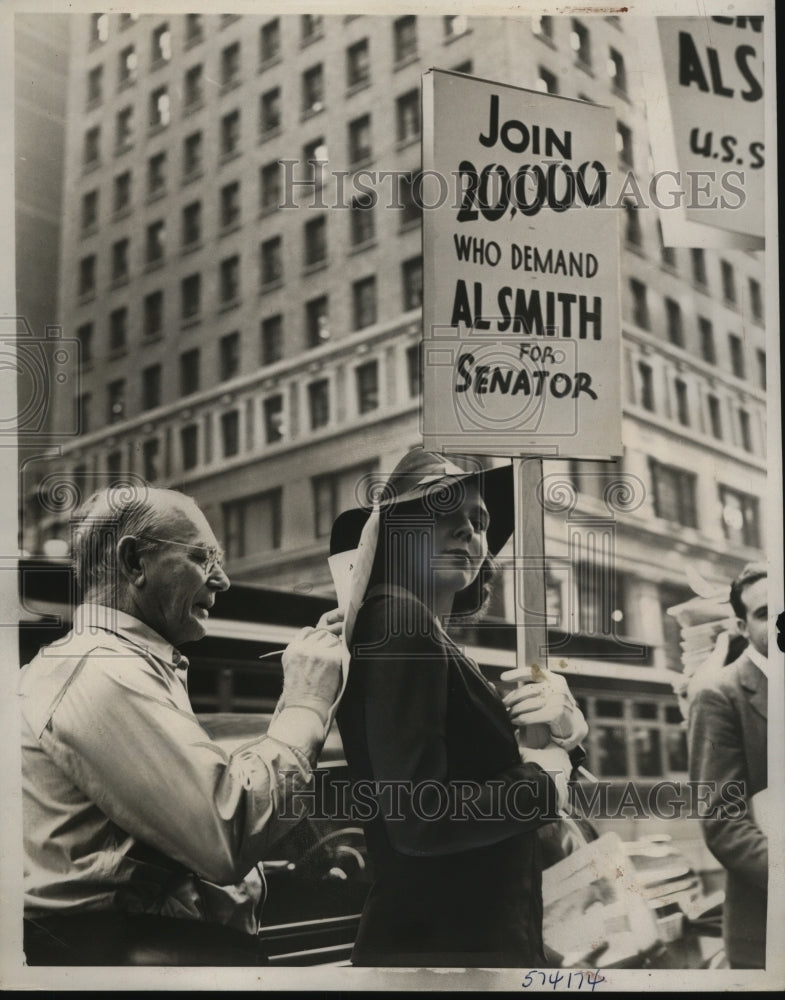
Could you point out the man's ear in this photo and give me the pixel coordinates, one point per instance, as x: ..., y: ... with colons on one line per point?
x: 129, y: 563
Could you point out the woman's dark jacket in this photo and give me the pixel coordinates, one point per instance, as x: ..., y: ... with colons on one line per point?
x: 462, y: 888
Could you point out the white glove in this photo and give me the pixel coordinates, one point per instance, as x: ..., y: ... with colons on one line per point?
x: 556, y: 762
x: 545, y: 697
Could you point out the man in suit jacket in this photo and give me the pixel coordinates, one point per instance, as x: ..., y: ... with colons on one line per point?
x: 727, y: 744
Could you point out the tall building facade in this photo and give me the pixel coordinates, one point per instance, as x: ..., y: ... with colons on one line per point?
x: 254, y: 341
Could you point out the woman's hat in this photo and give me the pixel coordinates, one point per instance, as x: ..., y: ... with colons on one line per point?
x: 434, y: 481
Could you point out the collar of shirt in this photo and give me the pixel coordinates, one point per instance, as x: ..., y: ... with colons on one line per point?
x: 132, y: 630
x: 760, y: 661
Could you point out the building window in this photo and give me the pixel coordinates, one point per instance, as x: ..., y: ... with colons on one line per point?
x: 756, y: 300
x: 360, y: 140
x: 159, y: 114
x: 405, y: 38
x: 89, y: 210
x: 124, y: 129
x: 312, y: 90
x: 617, y: 72
x: 358, y: 64
x: 269, y: 41
x: 624, y: 144
x: 192, y: 154
x: 189, y: 446
x: 408, y: 116
x: 230, y: 433
x: 547, y: 82
x: 311, y: 27
x: 156, y: 242
x: 115, y: 401
x: 189, y: 371
x: 364, y: 302
x: 367, y: 377
x: 600, y: 599
x: 682, y: 402
x: 708, y: 348
x: 156, y: 174
x: 728, y: 282
x: 640, y: 304
x: 161, y: 45
x: 230, y: 133
x: 542, y: 26
x: 315, y: 158
x: 698, y: 266
x: 86, y: 283
x: 229, y: 355
x: 411, y: 275
x: 736, y: 348
x: 154, y: 314
x: 192, y: 223
x: 151, y: 387
x: 127, y: 65
x: 272, y: 339
x: 114, y: 464
x: 646, y: 376
x: 230, y: 204
x: 319, y: 403
x: 315, y: 241
x: 99, y: 28
x: 667, y: 254
x: 317, y: 321
x: 194, y: 28
x: 84, y: 335
x: 230, y: 279
x: 411, y: 207
x: 760, y: 357
x: 740, y: 517
x: 455, y: 25
x: 83, y: 415
x: 674, y: 322
x: 414, y: 370
x: 270, y: 186
x: 580, y: 43
x: 120, y: 260
x: 252, y: 525
x: 362, y: 223
x: 270, y: 111
x: 150, y: 450
x: 745, y: 432
x: 632, y: 233
x: 94, y: 85
x: 273, y: 419
x: 271, y: 260
x: 118, y: 329
x: 193, y: 89
x: 335, y: 492
x: 715, y: 417
x: 230, y: 65
x: 191, y: 296
x: 91, y: 153
x: 674, y: 494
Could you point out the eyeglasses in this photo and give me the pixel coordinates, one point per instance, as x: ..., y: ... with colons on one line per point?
x: 212, y: 557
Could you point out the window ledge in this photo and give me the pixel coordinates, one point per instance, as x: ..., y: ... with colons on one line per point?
x: 361, y: 162
x: 227, y: 306
x: 315, y: 109
x: 318, y: 265
x: 449, y: 39
x: 409, y: 140
x: 88, y: 168
x: 268, y: 63
x: 194, y: 175
x: 305, y: 42
x: 153, y: 265
x: 361, y: 247
x: 232, y: 227
x: 269, y: 133
x: 271, y: 286
x: 190, y: 321
x: 156, y: 195
x: 118, y: 352
x: 190, y: 43
x: 545, y: 40
x: 230, y: 85
x: 355, y: 88
x: 90, y: 230
x: 152, y: 338
x: 122, y: 85
x: 405, y: 61
x: 268, y: 210
x: 228, y: 157
x: 121, y: 213
x: 156, y: 128
x: 122, y: 150
x: 192, y: 107
x: 119, y: 282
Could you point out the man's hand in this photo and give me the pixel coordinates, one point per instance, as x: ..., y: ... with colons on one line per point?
x: 545, y: 697
x: 556, y: 762
x: 312, y: 667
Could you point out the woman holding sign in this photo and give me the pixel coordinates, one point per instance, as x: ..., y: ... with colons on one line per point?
x: 450, y: 808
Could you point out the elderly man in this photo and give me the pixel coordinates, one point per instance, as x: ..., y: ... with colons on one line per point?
x: 139, y: 830
x: 727, y: 744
